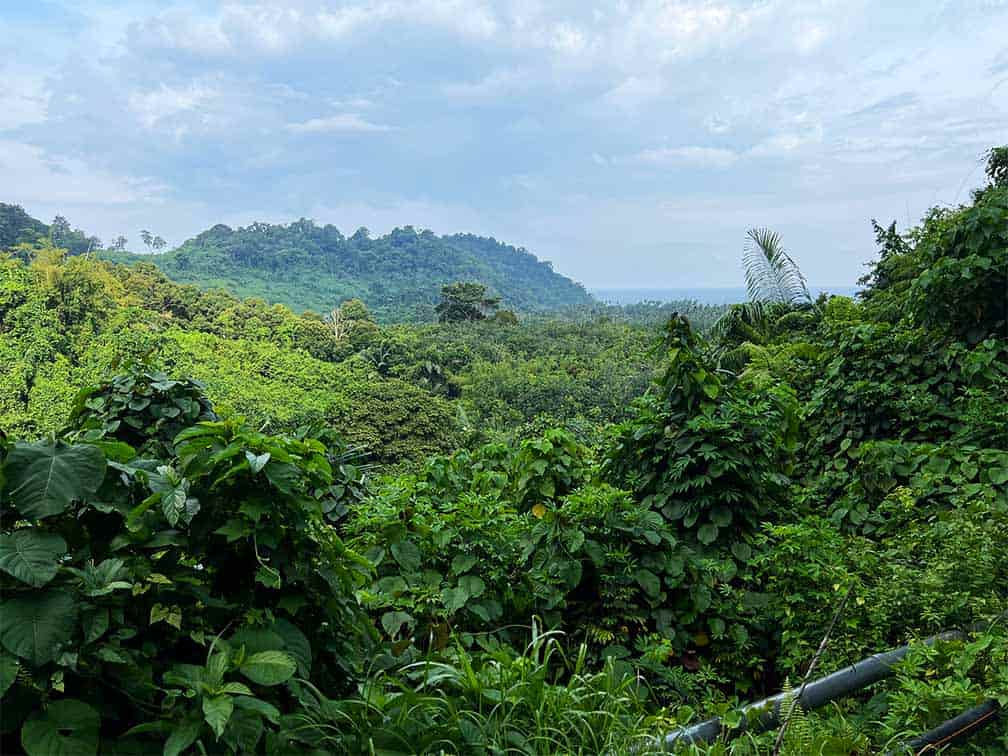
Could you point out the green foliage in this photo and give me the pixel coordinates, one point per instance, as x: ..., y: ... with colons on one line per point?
x: 703, y: 451
x: 141, y: 555
x: 465, y: 301
x: 177, y: 579
x: 961, y: 286
x: 17, y: 227
x: 497, y: 699
x: 256, y: 371
x: 45, y: 478
x: 937, y: 682
x: 398, y: 275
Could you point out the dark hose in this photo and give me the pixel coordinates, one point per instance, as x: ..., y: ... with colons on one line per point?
x: 766, y: 712
x: 952, y: 731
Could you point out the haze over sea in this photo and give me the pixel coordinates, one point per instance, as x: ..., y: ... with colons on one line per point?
x: 725, y: 295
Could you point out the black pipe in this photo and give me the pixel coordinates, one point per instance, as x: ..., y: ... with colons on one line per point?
x: 766, y: 713
x: 952, y: 731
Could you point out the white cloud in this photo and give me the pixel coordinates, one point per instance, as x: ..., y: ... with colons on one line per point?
x: 155, y: 105
x: 701, y: 157
x: 345, y: 123
x: 635, y: 91
x: 497, y: 83
x: 275, y: 28
x: 23, y: 99
x: 545, y: 122
x: 785, y: 144
x: 34, y: 177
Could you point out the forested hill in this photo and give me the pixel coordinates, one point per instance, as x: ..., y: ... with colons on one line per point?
x: 310, y: 267
x: 399, y: 275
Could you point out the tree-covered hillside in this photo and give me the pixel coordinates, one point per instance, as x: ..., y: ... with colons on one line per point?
x: 399, y: 276
x: 186, y: 570
x: 66, y: 320
x: 308, y: 267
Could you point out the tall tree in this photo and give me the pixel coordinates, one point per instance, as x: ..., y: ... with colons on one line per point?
x: 59, y: 230
x: 146, y: 238
x: 465, y: 301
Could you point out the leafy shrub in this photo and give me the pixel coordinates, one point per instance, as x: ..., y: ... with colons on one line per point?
x: 136, y: 586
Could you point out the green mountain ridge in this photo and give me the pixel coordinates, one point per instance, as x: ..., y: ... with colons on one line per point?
x: 310, y: 267
x: 398, y: 275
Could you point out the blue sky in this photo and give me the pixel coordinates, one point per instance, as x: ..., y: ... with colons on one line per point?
x: 631, y: 143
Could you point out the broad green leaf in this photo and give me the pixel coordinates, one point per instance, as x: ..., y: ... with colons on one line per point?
x: 67, y: 728
x: 102, y: 579
x: 182, y: 737
x: 217, y: 711
x: 268, y: 576
x: 8, y: 672
x: 30, y: 556
x: 95, y: 621
x: 649, y: 582
x: 462, y: 563
x: 235, y: 689
x: 741, y: 550
x: 473, y: 585
x: 707, y: 534
x: 268, y: 710
x: 721, y: 516
x: 34, y: 626
x: 234, y: 529
x: 268, y: 667
x: 169, y: 614
x: 297, y: 645
x: 43, y: 478
x: 407, y: 555
x: 487, y: 610
x: 257, y: 462
x: 256, y: 639
x: 116, y: 451
x: 243, y: 732
x: 283, y: 475
x: 998, y: 475
x: 455, y: 598
x: 393, y: 622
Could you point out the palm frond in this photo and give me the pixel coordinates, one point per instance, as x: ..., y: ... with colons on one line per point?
x: 739, y: 320
x: 771, y: 275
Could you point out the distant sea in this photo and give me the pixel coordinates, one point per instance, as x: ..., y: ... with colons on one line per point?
x: 728, y: 295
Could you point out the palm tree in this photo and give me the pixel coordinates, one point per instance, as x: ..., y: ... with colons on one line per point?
x: 775, y: 286
x: 771, y: 275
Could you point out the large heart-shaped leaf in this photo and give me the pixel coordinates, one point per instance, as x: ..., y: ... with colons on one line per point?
x: 34, y: 626
x: 407, y: 555
x: 67, y: 728
x: 269, y: 667
x: 30, y: 556
x: 43, y: 478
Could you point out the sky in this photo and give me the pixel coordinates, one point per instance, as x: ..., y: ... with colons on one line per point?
x: 630, y: 143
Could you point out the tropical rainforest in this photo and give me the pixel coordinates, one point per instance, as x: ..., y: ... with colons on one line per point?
x: 398, y: 275
x: 439, y: 501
